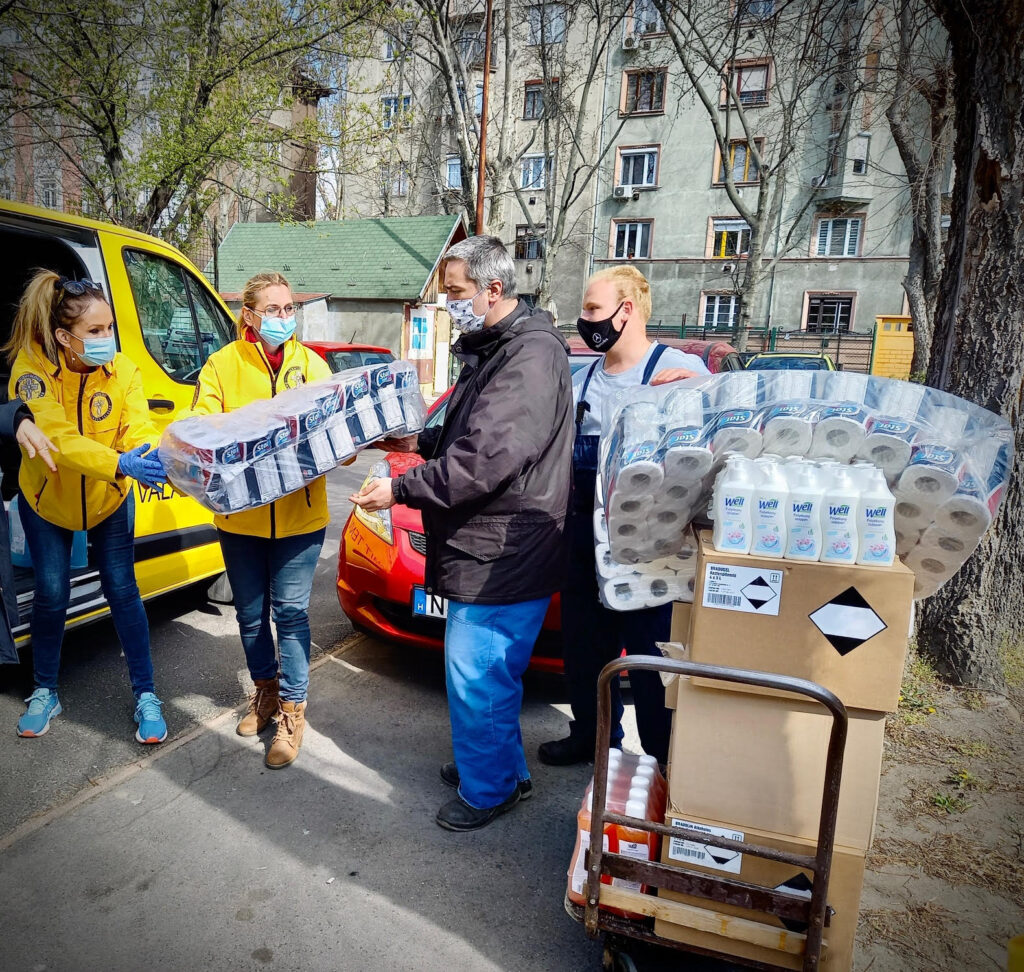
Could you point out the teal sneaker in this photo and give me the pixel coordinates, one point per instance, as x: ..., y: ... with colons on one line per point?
x: 152, y: 728
x: 43, y: 705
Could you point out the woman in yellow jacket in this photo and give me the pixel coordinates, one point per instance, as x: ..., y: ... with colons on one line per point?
x: 88, y: 400
x: 270, y: 552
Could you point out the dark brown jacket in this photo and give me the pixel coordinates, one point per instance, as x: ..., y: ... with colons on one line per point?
x: 495, y: 486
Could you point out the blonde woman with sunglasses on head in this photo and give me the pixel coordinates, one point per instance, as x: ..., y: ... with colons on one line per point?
x: 88, y: 400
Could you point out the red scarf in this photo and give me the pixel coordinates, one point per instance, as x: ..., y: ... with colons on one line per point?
x: 276, y: 358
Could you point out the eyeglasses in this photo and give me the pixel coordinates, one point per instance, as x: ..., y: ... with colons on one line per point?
x: 272, y: 310
x: 77, y: 288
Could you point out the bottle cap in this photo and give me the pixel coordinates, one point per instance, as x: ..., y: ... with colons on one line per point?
x: 636, y: 808
x: 647, y: 771
x: 646, y: 760
x: 642, y: 780
x: 638, y: 793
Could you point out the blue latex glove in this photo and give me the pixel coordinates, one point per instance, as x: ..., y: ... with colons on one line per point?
x: 147, y: 469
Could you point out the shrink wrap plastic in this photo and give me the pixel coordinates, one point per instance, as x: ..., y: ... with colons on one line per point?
x: 946, y: 460
x: 238, y: 460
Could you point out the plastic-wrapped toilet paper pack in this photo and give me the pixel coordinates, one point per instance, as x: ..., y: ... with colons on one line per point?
x: 235, y: 461
x: 946, y: 459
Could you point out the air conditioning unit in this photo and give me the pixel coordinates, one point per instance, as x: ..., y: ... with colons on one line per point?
x: 629, y: 42
x: 622, y: 193
x: 819, y: 182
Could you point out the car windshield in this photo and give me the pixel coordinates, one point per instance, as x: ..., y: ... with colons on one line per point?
x: 787, y: 363
x: 342, y: 360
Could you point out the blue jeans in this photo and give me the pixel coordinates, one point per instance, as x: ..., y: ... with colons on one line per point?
x: 113, y: 554
x: 274, y: 577
x: 487, y: 648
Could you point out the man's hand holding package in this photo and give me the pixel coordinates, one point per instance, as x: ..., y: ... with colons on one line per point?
x: 375, y: 495
x: 666, y: 375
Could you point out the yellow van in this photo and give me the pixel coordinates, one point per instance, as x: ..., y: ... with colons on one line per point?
x: 168, y: 320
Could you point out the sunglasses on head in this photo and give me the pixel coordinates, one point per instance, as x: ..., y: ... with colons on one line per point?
x: 77, y: 288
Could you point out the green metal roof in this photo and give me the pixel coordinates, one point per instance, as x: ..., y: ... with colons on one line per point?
x: 368, y: 259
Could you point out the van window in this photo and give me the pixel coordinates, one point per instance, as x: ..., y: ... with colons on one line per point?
x: 342, y: 360
x: 181, y: 324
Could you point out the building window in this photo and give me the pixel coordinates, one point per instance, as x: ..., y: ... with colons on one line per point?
x: 643, y: 92
x: 755, y: 10
x: 453, y: 173
x: 470, y: 44
x: 638, y: 166
x: 730, y: 238
x: 721, y: 311
x: 828, y: 313
x: 48, y: 192
x: 529, y: 246
x: 646, y: 18
x: 838, y: 237
x: 741, y: 162
x: 632, y: 239
x: 394, y: 179
x: 478, y: 97
x: 546, y: 23
x: 534, y: 97
x: 859, y: 150
x: 749, y: 83
x: 534, y: 171
x: 394, y: 110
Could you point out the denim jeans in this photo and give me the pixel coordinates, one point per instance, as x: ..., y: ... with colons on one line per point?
x: 113, y: 554
x: 274, y: 578
x: 487, y: 648
x: 594, y: 635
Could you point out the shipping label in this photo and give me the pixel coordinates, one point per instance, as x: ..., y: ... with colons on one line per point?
x: 752, y: 590
x: 706, y: 855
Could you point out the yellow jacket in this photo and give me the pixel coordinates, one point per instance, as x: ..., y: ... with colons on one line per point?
x: 91, y: 418
x: 236, y: 375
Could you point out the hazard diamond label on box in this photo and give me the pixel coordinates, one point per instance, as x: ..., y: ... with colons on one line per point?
x: 847, y: 621
x: 752, y: 590
x: 706, y: 855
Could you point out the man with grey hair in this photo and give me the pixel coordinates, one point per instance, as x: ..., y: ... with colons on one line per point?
x: 494, y: 492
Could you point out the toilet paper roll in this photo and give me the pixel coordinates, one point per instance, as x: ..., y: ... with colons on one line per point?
x: 607, y: 566
x: 966, y: 513
x: 899, y: 399
x: 684, y: 459
x: 788, y: 429
x: 635, y: 468
x: 788, y: 385
x: 683, y: 406
x: 677, y: 495
x: 933, y: 472
x: 888, y: 443
x: 905, y: 542
x: 600, y: 526
x: 925, y: 585
x: 623, y: 593
x: 842, y: 386
x: 912, y: 512
x: 734, y: 431
x: 666, y: 545
x: 665, y: 521
x: 736, y: 389
x: 629, y: 506
x: 626, y: 529
x: 838, y: 432
x: 946, y: 546
x: 632, y: 552
x: 931, y: 564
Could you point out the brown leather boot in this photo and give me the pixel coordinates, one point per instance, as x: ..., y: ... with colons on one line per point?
x: 291, y: 721
x: 263, y: 704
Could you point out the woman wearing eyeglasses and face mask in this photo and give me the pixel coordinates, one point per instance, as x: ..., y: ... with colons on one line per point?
x: 88, y: 400
x: 270, y: 552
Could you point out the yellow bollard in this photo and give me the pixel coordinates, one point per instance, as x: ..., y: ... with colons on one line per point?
x: 1015, y: 954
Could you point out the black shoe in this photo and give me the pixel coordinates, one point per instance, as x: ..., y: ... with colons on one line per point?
x: 450, y: 777
x: 566, y: 752
x: 458, y: 815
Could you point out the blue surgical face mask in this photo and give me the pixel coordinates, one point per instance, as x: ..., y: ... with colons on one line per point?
x: 276, y: 330
x: 463, y: 316
x: 96, y: 351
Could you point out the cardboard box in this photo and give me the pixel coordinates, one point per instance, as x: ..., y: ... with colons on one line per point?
x: 844, y: 627
x: 845, y: 884
x: 759, y: 761
x: 680, y: 630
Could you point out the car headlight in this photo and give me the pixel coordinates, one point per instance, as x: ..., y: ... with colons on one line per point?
x: 380, y: 521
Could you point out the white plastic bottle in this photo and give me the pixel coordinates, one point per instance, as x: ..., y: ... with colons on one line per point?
x: 839, y: 518
x: 875, y: 523
x: 768, y: 536
x: 734, y: 493
x: 803, y: 514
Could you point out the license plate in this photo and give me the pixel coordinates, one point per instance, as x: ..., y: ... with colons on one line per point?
x: 428, y: 605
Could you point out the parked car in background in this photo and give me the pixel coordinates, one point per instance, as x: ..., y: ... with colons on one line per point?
x: 716, y: 355
x: 790, y: 360
x: 343, y: 356
x: 381, y: 557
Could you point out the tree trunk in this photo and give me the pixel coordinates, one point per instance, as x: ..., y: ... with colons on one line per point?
x: 920, y: 308
x: 978, y: 352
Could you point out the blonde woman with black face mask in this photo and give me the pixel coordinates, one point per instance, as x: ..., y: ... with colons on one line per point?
x: 88, y: 399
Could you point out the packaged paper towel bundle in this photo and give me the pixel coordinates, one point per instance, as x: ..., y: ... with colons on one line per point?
x: 259, y: 453
x: 946, y: 460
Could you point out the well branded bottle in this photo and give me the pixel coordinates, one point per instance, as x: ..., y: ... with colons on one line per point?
x: 875, y: 523
x: 803, y: 514
x: 839, y: 516
x: 732, y: 507
x: 768, y: 512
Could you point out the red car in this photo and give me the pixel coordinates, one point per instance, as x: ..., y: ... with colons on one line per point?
x: 343, y: 356
x: 381, y: 558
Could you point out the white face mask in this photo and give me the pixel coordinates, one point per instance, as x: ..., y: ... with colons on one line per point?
x: 463, y: 316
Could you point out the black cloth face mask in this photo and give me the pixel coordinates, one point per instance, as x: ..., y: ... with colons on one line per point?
x: 599, y: 335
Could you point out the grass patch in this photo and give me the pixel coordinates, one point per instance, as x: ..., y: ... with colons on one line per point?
x: 950, y: 803
x: 963, y: 779
x: 974, y: 749
x: 1011, y: 654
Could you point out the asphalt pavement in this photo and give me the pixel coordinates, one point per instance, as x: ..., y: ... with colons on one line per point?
x: 193, y: 855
